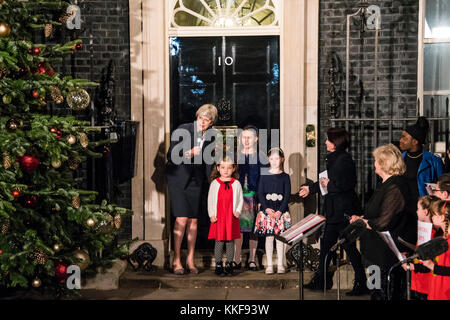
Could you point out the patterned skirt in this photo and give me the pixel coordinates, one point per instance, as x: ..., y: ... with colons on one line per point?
x: 248, y: 214
x: 267, y: 226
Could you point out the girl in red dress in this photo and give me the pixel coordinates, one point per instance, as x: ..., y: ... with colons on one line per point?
x: 420, y: 282
x: 439, y: 285
x: 225, y: 201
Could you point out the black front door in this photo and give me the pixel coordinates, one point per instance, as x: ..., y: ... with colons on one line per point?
x: 239, y: 75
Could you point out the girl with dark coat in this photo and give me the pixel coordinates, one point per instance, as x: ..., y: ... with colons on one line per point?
x: 340, y: 200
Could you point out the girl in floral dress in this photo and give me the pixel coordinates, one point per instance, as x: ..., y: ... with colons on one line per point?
x: 274, y: 190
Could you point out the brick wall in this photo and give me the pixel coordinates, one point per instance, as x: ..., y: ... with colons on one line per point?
x: 397, y: 76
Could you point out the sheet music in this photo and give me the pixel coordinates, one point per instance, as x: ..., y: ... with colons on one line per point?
x: 323, y: 174
x: 302, y: 226
x: 386, y: 236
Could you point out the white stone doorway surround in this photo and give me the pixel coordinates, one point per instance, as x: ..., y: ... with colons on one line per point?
x: 150, y: 29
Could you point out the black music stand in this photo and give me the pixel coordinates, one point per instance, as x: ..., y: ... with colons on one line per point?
x: 299, y: 243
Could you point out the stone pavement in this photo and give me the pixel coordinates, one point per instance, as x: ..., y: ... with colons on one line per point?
x: 245, y: 285
x: 214, y: 294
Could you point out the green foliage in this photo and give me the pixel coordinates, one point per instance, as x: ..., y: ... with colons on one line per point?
x: 44, y: 205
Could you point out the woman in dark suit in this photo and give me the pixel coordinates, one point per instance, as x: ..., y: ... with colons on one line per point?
x: 341, y: 199
x: 391, y: 208
x: 189, y: 162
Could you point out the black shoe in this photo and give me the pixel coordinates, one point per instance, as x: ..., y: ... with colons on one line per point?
x: 252, y: 266
x: 236, y: 266
x: 219, y: 269
x: 359, y: 289
x: 228, y: 269
x: 317, y: 284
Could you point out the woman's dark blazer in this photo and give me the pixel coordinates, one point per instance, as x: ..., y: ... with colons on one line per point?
x: 341, y: 197
x: 180, y: 174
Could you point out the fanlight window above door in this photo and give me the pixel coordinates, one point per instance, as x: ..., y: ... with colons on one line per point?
x: 224, y: 13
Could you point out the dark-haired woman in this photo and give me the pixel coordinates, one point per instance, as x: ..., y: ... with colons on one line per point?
x: 340, y: 200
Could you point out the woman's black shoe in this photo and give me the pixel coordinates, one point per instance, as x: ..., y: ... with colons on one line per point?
x: 236, y: 266
x: 359, y: 289
x: 219, y: 269
x: 252, y: 266
x: 317, y: 284
x: 228, y: 268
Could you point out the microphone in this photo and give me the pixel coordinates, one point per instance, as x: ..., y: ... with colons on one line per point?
x: 428, y: 250
x: 351, y: 233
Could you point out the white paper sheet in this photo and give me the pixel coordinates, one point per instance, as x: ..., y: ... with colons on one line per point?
x: 386, y: 236
x: 430, y: 187
x: 323, y: 174
x: 423, y: 232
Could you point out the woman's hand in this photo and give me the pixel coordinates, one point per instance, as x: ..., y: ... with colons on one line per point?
x: 324, y: 182
x: 195, y: 151
x: 213, y: 219
x: 236, y: 214
x: 354, y: 218
x: 429, y: 264
x: 278, y: 214
x: 304, y: 191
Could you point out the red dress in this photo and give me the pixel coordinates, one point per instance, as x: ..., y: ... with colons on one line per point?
x: 420, y: 282
x: 227, y: 225
x: 440, y: 285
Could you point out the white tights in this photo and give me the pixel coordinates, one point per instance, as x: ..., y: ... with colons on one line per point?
x: 269, y: 251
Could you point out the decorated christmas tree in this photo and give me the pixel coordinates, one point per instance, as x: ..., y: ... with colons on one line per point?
x: 47, y: 222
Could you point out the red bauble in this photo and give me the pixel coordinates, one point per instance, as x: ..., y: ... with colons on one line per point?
x: 30, y: 201
x: 61, y: 271
x: 78, y: 46
x: 28, y: 163
x: 30, y: 51
x: 16, y: 193
x: 36, y: 50
x: 35, y: 94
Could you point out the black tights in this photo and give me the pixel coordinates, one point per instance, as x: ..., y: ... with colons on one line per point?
x: 218, y: 250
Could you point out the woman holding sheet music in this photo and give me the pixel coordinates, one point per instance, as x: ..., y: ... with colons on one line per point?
x: 391, y: 208
x: 341, y: 200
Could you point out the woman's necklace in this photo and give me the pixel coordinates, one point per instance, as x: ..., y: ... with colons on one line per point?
x: 414, y: 157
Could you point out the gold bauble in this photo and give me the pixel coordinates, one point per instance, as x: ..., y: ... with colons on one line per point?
x: 57, y: 247
x: 71, y: 139
x: 56, y: 164
x: 39, y: 257
x: 48, y: 29
x: 90, y: 222
x: 76, y: 202
x: 36, y: 283
x: 78, y: 99
x: 84, y: 257
x: 56, y: 95
x: 73, y: 164
x: 84, y: 141
x: 5, y: 226
x: 117, y: 221
x: 6, y: 160
x: 5, y: 30
x: 106, y: 226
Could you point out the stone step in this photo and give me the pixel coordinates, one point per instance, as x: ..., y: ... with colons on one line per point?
x: 162, y: 278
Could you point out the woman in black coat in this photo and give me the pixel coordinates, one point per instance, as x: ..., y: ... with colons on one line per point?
x: 186, y: 172
x: 340, y: 200
x: 391, y: 208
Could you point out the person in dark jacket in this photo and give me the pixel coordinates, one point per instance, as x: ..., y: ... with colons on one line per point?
x: 391, y: 208
x: 186, y: 171
x: 340, y: 200
x: 421, y: 166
